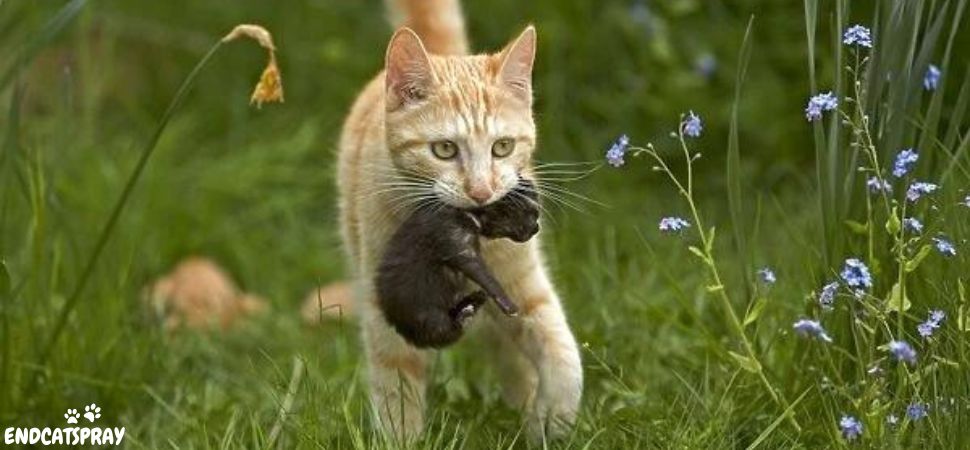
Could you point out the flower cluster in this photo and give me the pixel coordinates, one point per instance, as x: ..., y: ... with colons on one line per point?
x: 905, y: 161
x: 826, y: 297
x: 811, y: 328
x: 916, y: 411
x: 933, y: 322
x: 902, y: 351
x: 858, y: 36
x: 877, y: 185
x: 767, y: 275
x: 851, y: 428
x: 826, y: 101
x: 918, y: 189
x: 913, y: 225
x: 673, y: 224
x: 691, y: 126
x: 944, y: 246
x: 856, y: 274
x: 614, y: 156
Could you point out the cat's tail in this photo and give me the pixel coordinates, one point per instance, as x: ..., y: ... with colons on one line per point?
x: 332, y: 301
x: 439, y: 23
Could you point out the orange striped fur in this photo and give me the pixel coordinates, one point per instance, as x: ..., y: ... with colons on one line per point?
x: 431, y: 91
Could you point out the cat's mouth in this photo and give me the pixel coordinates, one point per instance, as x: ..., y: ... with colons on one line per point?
x: 450, y: 197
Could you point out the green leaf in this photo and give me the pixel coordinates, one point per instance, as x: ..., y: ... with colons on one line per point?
x: 897, y: 301
x: 914, y: 263
x: 698, y: 252
x: 856, y: 227
x: 709, y: 245
x: 755, y: 311
x: 746, y: 362
x: 892, y: 224
x: 946, y: 361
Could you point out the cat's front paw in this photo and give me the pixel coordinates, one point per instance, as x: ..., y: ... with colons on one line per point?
x: 550, y: 419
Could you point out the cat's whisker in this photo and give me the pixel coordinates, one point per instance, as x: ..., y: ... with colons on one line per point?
x: 572, y: 194
x: 565, y: 169
x: 396, y: 174
x: 559, y: 200
x: 549, y: 187
x: 412, y: 202
x: 404, y: 184
x: 393, y: 189
x: 567, y: 164
x: 563, y: 175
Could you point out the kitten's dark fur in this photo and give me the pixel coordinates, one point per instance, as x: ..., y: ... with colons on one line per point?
x: 427, y: 261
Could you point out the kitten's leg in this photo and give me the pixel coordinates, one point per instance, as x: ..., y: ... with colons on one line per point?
x: 544, y: 337
x: 474, y: 268
x: 397, y: 374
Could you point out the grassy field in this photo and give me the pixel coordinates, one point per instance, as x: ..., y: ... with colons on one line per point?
x: 685, y: 345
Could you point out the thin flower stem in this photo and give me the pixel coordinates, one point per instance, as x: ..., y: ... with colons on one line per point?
x: 734, y: 322
x: 899, y: 235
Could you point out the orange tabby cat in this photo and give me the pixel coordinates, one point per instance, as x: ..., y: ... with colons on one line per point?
x: 438, y: 124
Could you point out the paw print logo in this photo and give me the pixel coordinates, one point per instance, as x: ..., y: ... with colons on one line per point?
x: 71, y: 415
x: 92, y: 412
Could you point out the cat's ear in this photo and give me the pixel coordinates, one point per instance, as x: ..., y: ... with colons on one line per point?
x: 408, y: 76
x: 515, y: 66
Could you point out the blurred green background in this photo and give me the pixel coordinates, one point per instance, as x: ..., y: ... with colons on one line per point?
x: 253, y: 189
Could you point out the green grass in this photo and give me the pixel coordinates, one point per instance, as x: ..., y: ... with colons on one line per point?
x: 254, y: 190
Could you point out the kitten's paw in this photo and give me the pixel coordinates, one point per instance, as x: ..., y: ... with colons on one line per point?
x: 465, y: 314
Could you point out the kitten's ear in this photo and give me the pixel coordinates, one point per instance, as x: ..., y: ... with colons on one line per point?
x: 516, y: 64
x: 408, y: 77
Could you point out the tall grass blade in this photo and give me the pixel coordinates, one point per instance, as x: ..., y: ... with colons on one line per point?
x: 774, y: 424
x: 287, y: 405
x: 957, y: 113
x: 734, y: 155
x: 109, y: 226
x: 932, y: 120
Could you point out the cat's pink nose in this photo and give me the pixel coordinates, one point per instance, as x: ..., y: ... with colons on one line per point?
x: 480, y: 194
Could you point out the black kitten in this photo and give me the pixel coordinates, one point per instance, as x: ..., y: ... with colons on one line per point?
x: 427, y: 261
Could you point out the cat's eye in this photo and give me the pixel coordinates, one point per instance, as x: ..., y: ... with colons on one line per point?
x: 503, y: 147
x: 444, y: 149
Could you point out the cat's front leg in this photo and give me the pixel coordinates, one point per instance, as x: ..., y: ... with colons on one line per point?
x: 545, y: 338
x: 397, y: 375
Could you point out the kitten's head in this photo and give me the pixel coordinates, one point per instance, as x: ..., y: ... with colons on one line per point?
x: 463, y: 123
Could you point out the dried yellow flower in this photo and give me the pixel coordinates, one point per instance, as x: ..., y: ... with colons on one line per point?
x: 270, y: 85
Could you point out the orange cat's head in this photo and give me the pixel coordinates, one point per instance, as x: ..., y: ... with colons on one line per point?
x: 461, y: 124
